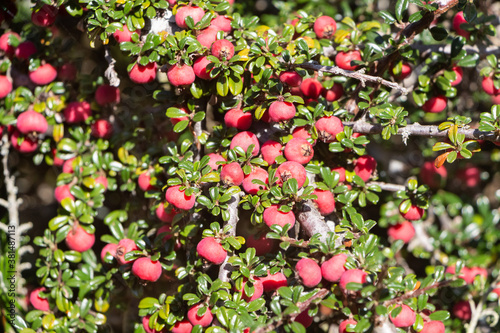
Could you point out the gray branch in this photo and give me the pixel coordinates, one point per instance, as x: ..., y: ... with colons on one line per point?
x: 388, y: 186
x: 312, y: 221
x: 226, y: 268
x: 110, y: 72
x: 358, y: 75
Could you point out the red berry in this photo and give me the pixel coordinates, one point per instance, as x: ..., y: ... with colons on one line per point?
x: 431, y: 175
x: 69, y: 165
x: 343, y: 325
x: 311, y: 88
x: 489, y: 87
x: 405, y: 318
x: 28, y: 145
x: 341, y: 172
x: 458, y: 20
x: 328, y: 128
x: 181, y: 75
x: 304, y: 319
x: 144, y: 182
x: 470, y: 176
x: 257, y: 173
x: 145, y: 325
x: 405, y: 71
x: 281, y: 111
x: 210, y: 249
x: 177, y: 197
x: 43, y: 75
x: 333, y: 268
x: 25, y: 50
x: 258, y: 290
x: 200, y: 68
x: 413, y: 214
x: 325, y: 201
x: 290, y: 169
x: 183, y: 326
x: 273, y: 216
x: 195, y: 12
x: 102, y: 129
x: 462, y: 310
x: 107, y: 94
x: 222, y: 23
x: 146, y: 269
x: 124, y: 35
x: 207, y: 37
x: 143, y: 74
x: 77, y: 112
x: 232, y: 174
x: 165, y: 215
x: 244, y: 140
x: 261, y: 244
x: 222, y: 48
x: 435, y: 104
x: 108, y: 248
x: 459, y: 73
x: 309, y: 272
x: 365, y: 166
x: 5, y: 86
x: 270, y: 150
x: 31, y: 121
x: 433, y: 327
x: 67, y: 72
x: 343, y: 59
x: 125, y: 246
x: 39, y: 303
x: 79, y: 240
x: 214, y: 158
x: 45, y: 16
x: 473, y: 272
x: 352, y: 275
x: 103, y: 181
x: 403, y: 231
x: 238, y: 119
x: 5, y: 44
x: 325, y: 27
x: 334, y: 93
x: 273, y: 282
x: 299, y: 150
x: 301, y: 132
x: 291, y: 78
x: 62, y: 192
x: 204, y: 320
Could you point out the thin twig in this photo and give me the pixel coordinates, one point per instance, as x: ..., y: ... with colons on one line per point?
x: 312, y: 221
x: 388, y: 186
x: 110, y: 72
x: 226, y: 268
x: 355, y: 75
x: 418, y: 292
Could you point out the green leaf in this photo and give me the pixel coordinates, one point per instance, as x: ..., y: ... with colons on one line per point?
x: 438, y: 33
x: 401, y: 6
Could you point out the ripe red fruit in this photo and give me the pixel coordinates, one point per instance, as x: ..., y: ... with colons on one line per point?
x: 124, y: 34
x: 291, y: 78
x: 325, y: 201
x: 181, y: 75
x: 309, y: 272
x: 238, y: 119
x: 351, y: 275
x: 108, y: 248
x: 325, y: 27
x: 195, y: 12
x: 405, y: 318
x: 273, y: 282
x: 403, y: 231
x: 28, y: 145
x: 62, y: 192
x: 257, y: 173
x: 328, y: 128
x: 166, y: 230
x: 489, y: 87
x: 459, y: 73
x: 468, y: 274
x: 5, y: 86
x: 222, y: 23
x: 431, y: 175
x: 343, y: 325
x: 103, y: 181
x: 341, y: 172
x: 261, y: 244
x: 470, y: 176
x: 177, y: 197
x: 405, y: 72
x: 79, y: 240
x: 435, y: 104
x: 25, y: 50
x: 290, y: 169
x: 4, y: 42
x: 207, y: 37
x: 244, y: 140
x: 145, y: 325
x: 281, y: 111
x: 458, y: 20
x: 413, y: 214
x: 333, y: 268
x: 200, y: 68
x: 273, y: 216
x: 210, y: 249
x: 462, y: 310
x: 76, y: 112
x: 434, y: 326
x: 43, y: 75
x: 299, y: 150
x: 311, y: 88
x: 205, y: 320
x: 183, y: 326
x: 232, y: 174
x: 106, y: 94
x: 143, y: 74
x: 146, y: 269
x: 214, y: 158
x: 67, y: 72
x: 334, y: 93
x: 222, y: 48
x: 102, y: 129
x: 39, y: 303
x: 125, y: 246
x: 144, y: 182
x: 257, y: 293
x: 343, y: 59
x: 304, y: 319
x: 45, y: 16
x: 31, y: 121
x: 270, y: 150
x: 365, y: 165
x: 165, y: 215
